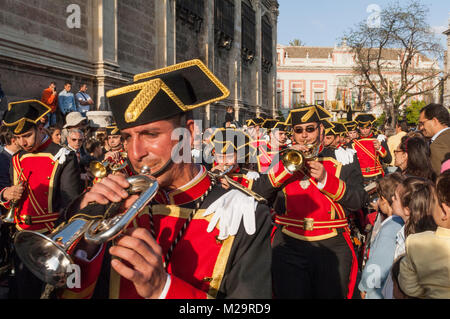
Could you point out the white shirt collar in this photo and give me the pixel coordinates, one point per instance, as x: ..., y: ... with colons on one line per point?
x: 195, y: 179
x: 439, y: 133
x: 8, y: 151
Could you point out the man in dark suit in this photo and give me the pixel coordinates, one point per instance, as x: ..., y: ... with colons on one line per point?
x: 434, y: 123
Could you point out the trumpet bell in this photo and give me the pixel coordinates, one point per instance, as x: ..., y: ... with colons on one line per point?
x: 43, y: 257
x: 98, y: 169
x: 293, y: 160
x: 48, y: 258
x: 9, y: 217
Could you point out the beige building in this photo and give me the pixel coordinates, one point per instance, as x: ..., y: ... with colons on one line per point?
x: 325, y: 75
x: 447, y: 68
x: 105, y: 42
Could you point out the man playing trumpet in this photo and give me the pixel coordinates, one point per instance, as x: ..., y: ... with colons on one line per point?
x: 187, y: 244
x: 313, y: 256
x: 43, y: 177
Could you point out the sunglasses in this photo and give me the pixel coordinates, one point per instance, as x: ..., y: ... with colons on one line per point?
x: 308, y: 129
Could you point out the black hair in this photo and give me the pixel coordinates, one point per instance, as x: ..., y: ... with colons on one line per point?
x: 419, y: 162
x: 437, y: 111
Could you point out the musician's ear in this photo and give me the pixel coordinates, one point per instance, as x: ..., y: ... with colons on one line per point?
x: 322, y: 132
x: 190, y: 126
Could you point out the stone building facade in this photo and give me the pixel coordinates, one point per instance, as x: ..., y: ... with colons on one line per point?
x: 105, y: 42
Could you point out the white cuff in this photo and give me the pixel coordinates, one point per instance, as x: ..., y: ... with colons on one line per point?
x: 82, y: 254
x: 320, y: 186
x: 166, y: 288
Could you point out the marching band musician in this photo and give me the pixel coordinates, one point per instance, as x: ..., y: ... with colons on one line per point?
x: 191, y: 242
x: 277, y: 142
x: 331, y: 134
x: 352, y: 131
x: 232, y: 153
x: 117, y: 155
x: 44, y: 176
x: 254, y: 128
x: 334, y: 140
x: 313, y: 256
x: 372, y: 149
x: 233, y: 156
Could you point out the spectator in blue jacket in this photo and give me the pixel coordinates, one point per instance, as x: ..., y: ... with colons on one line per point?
x: 66, y: 100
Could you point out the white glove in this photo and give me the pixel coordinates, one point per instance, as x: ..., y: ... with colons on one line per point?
x: 229, y: 210
x: 61, y: 155
x: 381, y: 138
x: 196, y: 153
x: 344, y: 156
x: 251, y: 175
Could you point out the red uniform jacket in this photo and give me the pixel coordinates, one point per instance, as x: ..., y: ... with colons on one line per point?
x: 49, y: 184
x: 371, y: 160
x: 309, y: 212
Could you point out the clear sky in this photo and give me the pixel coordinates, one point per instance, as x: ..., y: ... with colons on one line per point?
x: 323, y: 22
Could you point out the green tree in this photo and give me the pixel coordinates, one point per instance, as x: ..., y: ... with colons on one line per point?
x: 296, y: 43
x: 405, y: 33
x: 412, y: 112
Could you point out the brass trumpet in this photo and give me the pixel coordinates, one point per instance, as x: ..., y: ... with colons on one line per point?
x: 10, y: 216
x: 295, y: 160
x: 107, y: 166
x: 49, y: 257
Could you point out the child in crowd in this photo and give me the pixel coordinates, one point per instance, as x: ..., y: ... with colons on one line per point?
x: 412, y: 202
x: 424, y: 270
x: 55, y: 133
x: 382, y: 250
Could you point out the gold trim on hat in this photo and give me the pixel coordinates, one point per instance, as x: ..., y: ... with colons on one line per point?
x: 148, y: 91
x: 311, y: 110
x: 184, y: 65
x: 22, y: 121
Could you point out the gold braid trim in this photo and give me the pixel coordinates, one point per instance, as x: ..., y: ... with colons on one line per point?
x: 184, y: 65
x: 148, y: 91
x: 21, y: 122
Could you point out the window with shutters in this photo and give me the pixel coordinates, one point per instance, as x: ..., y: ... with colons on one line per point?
x: 248, y: 33
x: 191, y: 12
x: 267, y: 55
x: 224, y: 23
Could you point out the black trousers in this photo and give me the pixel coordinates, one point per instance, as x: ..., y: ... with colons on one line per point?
x: 311, y: 270
x: 24, y: 285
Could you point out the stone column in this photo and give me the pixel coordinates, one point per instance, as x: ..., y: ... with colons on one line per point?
x: 104, y: 40
x: 209, y: 48
x: 273, y: 72
x: 258, y: 58
x: 165, y: 33
x: 236, y: 68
